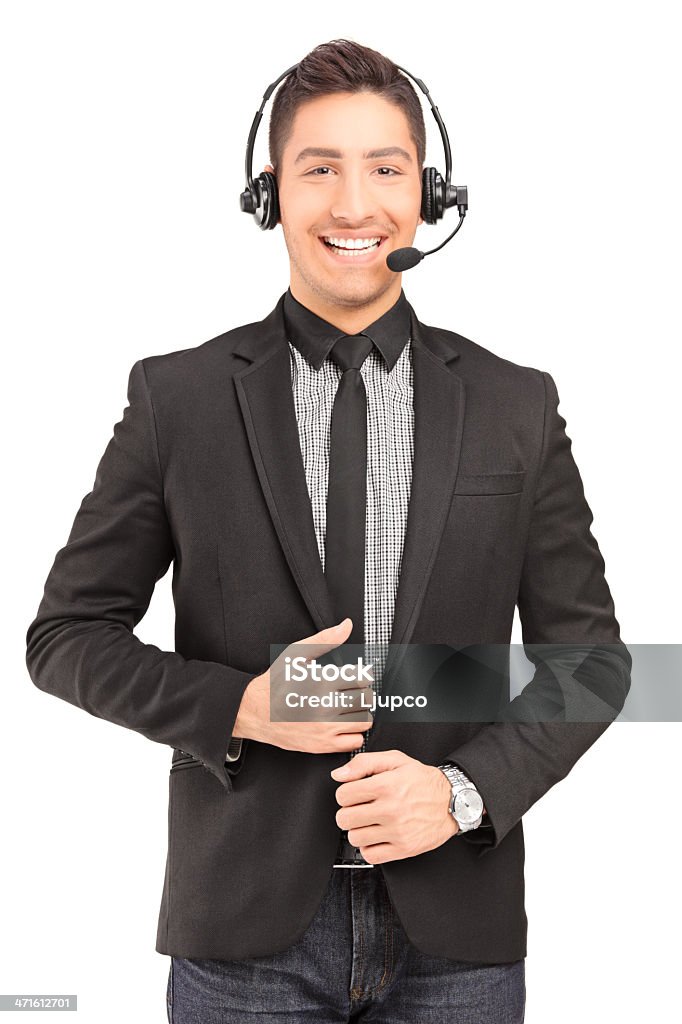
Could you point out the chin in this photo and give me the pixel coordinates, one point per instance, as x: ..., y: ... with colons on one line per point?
x: 360, y: 284
x: 358, y: 292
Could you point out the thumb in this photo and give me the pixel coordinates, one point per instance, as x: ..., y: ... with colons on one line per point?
x: 313, y: 647
x: 369, y: 762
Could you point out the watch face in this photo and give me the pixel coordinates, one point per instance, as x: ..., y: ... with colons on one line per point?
x: 468, y: 806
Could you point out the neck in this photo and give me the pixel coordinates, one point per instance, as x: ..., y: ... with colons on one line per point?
x: 351, y: 319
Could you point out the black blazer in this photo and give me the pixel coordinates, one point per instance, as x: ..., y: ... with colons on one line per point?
x: 204, y: 471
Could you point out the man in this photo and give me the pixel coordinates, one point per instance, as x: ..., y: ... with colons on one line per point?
x: 297, y: 884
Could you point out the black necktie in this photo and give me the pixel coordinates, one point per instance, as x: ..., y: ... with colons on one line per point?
x: 347, y: 486
x: 347, y: 511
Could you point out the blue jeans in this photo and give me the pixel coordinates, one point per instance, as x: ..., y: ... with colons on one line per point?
x: 353, y: 963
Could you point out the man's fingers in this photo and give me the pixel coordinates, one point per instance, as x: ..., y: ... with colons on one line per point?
x: 351, y: 741
x: 353, y: 726
x: 324, y: 641
x: 369, y: 763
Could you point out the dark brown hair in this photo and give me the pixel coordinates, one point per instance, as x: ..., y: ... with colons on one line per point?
x: 342, y: 65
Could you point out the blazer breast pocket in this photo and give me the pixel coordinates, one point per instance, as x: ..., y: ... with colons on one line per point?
x: 507, y: 482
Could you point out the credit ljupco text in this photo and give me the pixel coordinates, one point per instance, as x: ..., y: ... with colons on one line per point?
x: 299, y: 669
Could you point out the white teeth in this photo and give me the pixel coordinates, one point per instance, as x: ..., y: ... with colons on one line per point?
x: 353, y: 243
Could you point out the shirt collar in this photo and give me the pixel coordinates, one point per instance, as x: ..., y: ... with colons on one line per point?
x: 315, y: 337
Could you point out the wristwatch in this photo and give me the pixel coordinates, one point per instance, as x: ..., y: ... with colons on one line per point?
x: 466, y: 805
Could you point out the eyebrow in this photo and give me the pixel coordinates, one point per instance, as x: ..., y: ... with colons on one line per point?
x: 335, y: 154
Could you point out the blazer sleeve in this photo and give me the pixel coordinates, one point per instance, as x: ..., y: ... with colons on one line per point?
x: 571, y: 635
x: 81, y: 646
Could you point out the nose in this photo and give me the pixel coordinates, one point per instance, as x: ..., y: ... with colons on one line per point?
x: 353, y: 199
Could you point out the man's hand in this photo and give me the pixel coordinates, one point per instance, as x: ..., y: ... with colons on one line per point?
x: 329, y: 729
x: 393, y: 805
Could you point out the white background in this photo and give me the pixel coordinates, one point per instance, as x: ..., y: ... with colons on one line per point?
x: 124, y: 127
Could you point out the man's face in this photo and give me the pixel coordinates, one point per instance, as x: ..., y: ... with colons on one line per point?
x: 344, y: 194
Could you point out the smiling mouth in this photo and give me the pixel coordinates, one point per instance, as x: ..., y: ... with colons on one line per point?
x: 353, y: 255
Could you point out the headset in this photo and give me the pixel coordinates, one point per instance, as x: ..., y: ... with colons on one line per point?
x: 260, y: 197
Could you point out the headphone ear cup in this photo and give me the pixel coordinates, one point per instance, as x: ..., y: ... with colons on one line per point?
x: 433, y: 195
x: 270, y: 197
x: 426, y: 196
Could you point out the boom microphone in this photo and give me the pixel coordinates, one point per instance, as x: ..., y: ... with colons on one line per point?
x: 408, y: 257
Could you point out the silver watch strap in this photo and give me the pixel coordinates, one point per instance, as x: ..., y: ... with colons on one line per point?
x: 458, y: 781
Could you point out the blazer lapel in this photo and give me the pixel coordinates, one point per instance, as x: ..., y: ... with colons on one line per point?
x: 267, y: 403
x: 265, y: 396
x: 438, y: 420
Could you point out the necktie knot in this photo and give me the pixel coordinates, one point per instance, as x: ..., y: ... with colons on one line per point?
x: 350, y: 351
